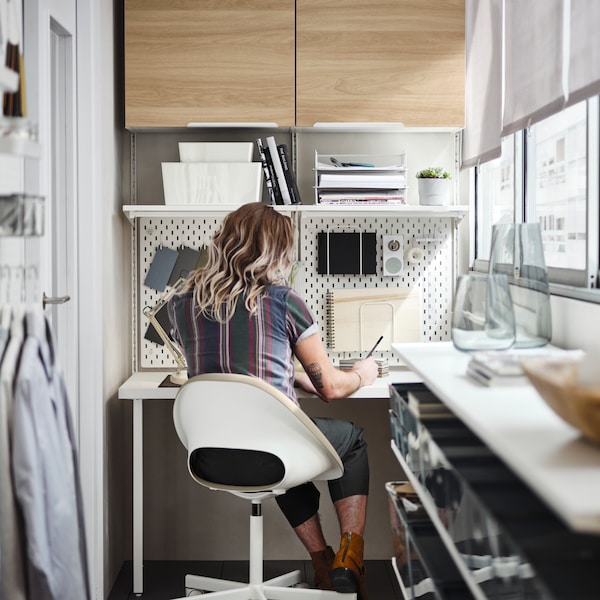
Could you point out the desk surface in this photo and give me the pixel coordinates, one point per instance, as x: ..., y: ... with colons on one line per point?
x: 145, y: 385
x: 548, y: 454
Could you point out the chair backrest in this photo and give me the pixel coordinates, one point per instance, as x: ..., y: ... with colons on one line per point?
x: 244, y: 435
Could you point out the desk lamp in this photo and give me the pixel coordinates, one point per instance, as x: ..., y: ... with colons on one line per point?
x: 180, y: 376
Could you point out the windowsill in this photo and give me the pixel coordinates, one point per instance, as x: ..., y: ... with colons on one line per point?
x: 575, y: 293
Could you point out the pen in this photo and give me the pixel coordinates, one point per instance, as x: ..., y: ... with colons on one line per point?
x: 375, y: 346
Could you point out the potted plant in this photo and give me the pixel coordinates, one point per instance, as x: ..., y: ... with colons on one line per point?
x: 434, y: 186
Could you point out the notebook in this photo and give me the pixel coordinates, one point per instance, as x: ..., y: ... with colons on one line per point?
x: 357, y: 317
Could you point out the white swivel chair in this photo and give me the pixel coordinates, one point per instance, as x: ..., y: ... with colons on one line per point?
x: 245, y: 437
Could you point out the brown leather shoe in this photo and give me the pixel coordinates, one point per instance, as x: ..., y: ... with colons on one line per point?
x: 348, y: 570
x: 322, y: 562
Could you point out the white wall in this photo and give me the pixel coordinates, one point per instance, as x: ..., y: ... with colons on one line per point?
x: 116, y: 291
x: 575, y: 325
x: 105, y: 284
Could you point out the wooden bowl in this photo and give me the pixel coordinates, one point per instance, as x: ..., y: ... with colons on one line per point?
x: 558, y: 384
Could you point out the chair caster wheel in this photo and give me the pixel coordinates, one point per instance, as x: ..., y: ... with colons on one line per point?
x: 193, y: 592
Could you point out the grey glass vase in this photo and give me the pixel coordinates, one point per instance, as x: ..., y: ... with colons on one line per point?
x: 518, y: 253
x: 483, y: 317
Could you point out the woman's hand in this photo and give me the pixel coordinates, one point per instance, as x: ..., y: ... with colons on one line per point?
x: 329, y: 382
x: 367, y: 369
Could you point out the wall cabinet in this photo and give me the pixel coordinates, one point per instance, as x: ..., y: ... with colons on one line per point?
x: 380, y: 61
x: 209, y: 62
x: 294, y: 63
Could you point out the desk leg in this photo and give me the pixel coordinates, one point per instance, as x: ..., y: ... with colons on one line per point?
x: 138, y: 497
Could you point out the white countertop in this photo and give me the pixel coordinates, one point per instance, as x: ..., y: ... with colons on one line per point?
x: 561, y: 466
x: 144, y: 385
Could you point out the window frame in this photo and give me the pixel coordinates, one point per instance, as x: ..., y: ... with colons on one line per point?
x: 576, y: 283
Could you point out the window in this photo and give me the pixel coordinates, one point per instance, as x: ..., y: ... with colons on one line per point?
x: 495, y: 196
x: 557, y: 186
x: 548, y: 174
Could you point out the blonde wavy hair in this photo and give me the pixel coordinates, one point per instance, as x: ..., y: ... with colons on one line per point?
x: 253, y: 249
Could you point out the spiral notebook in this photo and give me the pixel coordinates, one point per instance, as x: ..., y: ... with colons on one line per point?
x: 357, y: 317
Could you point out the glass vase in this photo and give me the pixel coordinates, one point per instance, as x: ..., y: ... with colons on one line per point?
x: 518, y: 253
x: 483, y: 317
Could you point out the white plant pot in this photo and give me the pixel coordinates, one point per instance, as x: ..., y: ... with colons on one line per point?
x: 434, y: 192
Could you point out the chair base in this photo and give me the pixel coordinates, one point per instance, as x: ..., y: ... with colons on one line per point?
x: 277, y: 588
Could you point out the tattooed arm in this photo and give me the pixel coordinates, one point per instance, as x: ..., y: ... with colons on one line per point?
x: 328, y: 381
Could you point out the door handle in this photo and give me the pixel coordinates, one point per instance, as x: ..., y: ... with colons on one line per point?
x: 54, y: 300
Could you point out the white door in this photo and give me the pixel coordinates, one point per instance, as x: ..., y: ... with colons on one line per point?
x: 50, y: 45
x: 63, y: 208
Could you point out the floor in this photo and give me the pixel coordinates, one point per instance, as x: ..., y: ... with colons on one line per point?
x: 164, y: 580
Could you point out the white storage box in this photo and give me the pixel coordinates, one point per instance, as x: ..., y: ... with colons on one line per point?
x: 215, y: 151
x: 212, y: 183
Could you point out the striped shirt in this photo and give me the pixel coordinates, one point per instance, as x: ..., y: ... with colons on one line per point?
x: 260, y: 345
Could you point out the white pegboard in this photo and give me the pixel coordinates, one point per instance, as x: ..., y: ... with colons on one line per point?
x: 153, y: 232
x: 433, y: 275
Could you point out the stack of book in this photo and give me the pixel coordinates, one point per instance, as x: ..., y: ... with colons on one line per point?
x: 495, y: 368
x: 501, y: 367
x: 360, y: 183
x: 278, y: 172
x: 383, y: 365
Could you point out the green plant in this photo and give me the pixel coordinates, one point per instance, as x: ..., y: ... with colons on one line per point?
x: 433, y: 173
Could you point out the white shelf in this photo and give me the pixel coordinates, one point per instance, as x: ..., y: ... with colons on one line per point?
x: 133, y: 211
x: 548, y: 455
x: 398, y: 210
x: 9, y: 80
x: 20, y: 147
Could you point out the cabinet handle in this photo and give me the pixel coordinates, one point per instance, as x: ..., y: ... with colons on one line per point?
x: 254, y: 125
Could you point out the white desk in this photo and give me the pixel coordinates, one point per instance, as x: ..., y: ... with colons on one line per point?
x: 145, y: 386
x: 549, y: 455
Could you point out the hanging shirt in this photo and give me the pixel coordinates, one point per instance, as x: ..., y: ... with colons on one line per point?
x: 45, y: 472
x: 259, y: 345
x: 12, y: 572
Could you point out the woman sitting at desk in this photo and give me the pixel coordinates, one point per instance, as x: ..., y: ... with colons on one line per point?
x: 238, y: 315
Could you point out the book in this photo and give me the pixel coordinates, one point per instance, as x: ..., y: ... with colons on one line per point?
x: 425, y: 405
x: 364, y: 197
x: 490, y: 379
x: 289, y: 174
x: 273, y: 175
x: 279, y: 174
x: 266, y: 171
x: 383, y: 365
x: 356, y: 317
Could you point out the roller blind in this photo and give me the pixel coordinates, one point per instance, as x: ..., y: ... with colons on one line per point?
x: 533, y: 68
x: 483, y: 83
x: 584, y: 50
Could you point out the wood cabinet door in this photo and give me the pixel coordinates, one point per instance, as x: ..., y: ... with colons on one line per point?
x: 380, y: 61
x: 209, y: 61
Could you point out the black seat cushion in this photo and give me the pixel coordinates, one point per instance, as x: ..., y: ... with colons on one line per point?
x: 238, y: 467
